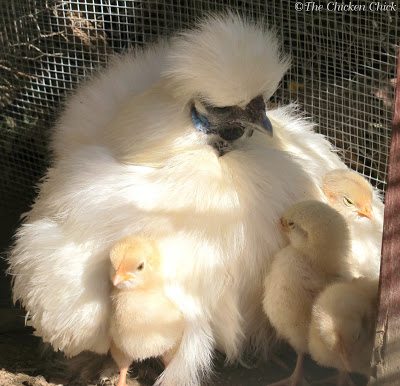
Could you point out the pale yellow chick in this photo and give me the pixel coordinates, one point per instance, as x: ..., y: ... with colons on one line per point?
x: 316, y: 256
x: 348, y: 192
x: 342, y: 326
x: 144, y: 322
x: 353, y: 196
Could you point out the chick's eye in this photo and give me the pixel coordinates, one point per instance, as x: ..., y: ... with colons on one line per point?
x: 140, y: 266
x: 347, y: 201
x: 291, y: 224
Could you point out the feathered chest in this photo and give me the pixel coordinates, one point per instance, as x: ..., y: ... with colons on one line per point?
x: 221, y: 203
x: 224, y: 209
x: 251, y: 181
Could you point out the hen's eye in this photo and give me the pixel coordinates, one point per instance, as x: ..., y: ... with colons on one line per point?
x: 140, y: 266
x: 291, y: 224
x: 231, y: 133
x: 347, y: 201
x: 220, y: 110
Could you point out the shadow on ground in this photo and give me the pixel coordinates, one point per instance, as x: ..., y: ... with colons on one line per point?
x: 24, y: 362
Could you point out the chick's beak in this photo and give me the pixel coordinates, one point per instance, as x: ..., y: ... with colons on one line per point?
x: 365, y: 212
x: 119, y: 277
x: 283, y: 224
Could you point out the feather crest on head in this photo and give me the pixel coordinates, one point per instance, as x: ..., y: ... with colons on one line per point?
x: 216, y: 61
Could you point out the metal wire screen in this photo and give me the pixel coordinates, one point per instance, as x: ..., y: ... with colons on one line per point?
x: 342, y: 74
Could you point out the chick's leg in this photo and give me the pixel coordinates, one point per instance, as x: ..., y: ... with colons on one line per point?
x: 123, y: 363
x: 122, y: 376
x: 296, y: 378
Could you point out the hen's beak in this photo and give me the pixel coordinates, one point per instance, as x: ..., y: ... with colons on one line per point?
x: 232, y: 122
x: 365, y: 212
x: 267, y: 125
x: 256, y: 114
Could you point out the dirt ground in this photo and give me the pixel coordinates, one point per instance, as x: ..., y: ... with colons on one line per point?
x: 24, y: 362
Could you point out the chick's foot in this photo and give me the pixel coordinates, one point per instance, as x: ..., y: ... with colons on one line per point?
x: 297, y: 377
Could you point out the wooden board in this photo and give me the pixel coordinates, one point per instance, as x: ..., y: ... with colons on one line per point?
x: 386, y: 356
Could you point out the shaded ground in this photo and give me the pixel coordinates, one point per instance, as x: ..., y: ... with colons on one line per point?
x: 23, y: 362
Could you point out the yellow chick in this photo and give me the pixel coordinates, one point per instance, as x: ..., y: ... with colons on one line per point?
x: 315, y: 257
x: 353, y: 196
x: 342, y: 326
x: 348, y: 192
x: 144, y: 322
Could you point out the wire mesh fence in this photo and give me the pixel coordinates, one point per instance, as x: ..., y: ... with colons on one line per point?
x: 343, y: 71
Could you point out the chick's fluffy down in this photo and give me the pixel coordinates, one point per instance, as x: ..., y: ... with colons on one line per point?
x: 342, y: 326
x: 145, y: 323
x: 290, y: 289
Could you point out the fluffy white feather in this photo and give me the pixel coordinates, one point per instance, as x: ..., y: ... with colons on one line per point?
x: 129, y: 161
x: 315, y: 154
x: 227, y: 60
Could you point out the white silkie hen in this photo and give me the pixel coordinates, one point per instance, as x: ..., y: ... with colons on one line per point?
x: 342, y: 329
x: 315, y: 257
x: 172, y: 142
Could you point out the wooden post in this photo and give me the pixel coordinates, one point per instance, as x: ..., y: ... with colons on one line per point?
x: 386, y: 356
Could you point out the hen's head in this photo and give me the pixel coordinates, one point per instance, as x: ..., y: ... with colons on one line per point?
x: 226, y: 69
x: 227, y: 61
x: 216, y: 79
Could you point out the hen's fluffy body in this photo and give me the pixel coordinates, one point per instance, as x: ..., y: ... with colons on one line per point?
x: 367, y: 242
x: 128, y: 161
